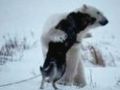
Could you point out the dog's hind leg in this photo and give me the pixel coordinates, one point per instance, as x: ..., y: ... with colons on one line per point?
x: 42, y: 83
x: 54, y: 85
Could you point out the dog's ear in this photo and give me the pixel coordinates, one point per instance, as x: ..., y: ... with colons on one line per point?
x: 41, y: 69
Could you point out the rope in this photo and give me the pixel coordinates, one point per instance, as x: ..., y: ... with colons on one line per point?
x: 18, y: 82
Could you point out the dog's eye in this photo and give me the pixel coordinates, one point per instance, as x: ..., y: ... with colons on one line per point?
x: 98, y: 12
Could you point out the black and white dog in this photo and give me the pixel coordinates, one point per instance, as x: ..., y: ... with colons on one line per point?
x: 60, y: 39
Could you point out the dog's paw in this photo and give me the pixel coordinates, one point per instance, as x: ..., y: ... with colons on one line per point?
x: 41, y: 87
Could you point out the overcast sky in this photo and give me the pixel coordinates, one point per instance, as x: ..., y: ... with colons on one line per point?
x: 30, y: 15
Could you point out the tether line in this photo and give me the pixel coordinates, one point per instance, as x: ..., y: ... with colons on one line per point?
x: 18, y: 82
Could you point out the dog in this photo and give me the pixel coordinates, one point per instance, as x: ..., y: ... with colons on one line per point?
x: 59, y: 40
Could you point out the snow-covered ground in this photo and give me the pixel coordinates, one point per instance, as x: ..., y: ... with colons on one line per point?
x: 20, y: 75
x: 26, y: 18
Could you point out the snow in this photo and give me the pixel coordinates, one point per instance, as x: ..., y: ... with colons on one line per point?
x: 26, y: 18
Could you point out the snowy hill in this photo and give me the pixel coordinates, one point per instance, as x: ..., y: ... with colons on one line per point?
x: 24, y: 20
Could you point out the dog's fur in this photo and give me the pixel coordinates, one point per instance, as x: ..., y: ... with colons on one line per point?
x: 62, y: 42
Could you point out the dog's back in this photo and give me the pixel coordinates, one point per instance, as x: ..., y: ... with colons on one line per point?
x: 55, y: 64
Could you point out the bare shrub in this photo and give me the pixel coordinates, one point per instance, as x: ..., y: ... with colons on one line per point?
x: 97, y: 56
x: 12, y: 47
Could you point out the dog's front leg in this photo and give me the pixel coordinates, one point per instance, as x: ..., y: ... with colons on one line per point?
x: 42, y: 83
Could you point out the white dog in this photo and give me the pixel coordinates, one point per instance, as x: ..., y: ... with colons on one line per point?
x: 81, y: 20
